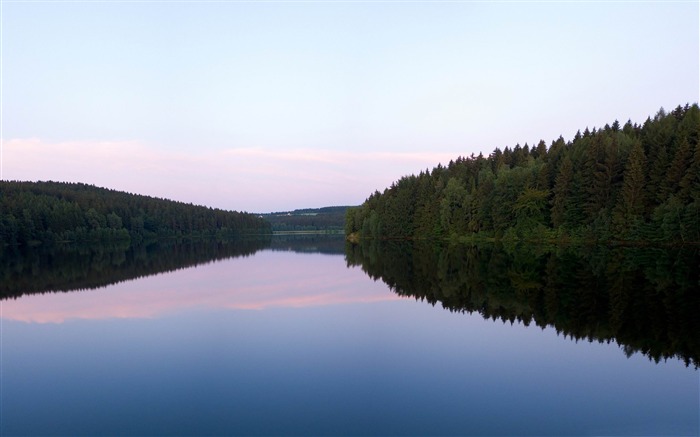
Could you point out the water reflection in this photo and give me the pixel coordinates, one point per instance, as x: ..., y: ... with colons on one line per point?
x: 329, y: 244
x: 273, y: 278
x: 645, y: 299
x: 69, y: 268
x: 284, y: 343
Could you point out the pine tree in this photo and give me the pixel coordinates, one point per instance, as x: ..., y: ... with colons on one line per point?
x: 689, y: 186
x: 595, y: 180
x: 540, y: 151
x: 562, y: 192
x: 630, y: 207
x: 678, y: 167
x: 657, y: 188
x: 633, y: 182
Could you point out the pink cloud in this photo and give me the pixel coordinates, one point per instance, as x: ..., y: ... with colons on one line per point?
x: 268, y: 279
x: 248, y: 179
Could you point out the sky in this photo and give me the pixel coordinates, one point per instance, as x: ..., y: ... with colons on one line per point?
x: 276, y: 105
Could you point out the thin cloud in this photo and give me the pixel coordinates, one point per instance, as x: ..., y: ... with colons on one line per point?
x: 250, y: 179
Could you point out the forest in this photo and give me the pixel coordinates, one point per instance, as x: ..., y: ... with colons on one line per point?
x: 619, y: 183
x: 50, y: 212
x: 326, y: 219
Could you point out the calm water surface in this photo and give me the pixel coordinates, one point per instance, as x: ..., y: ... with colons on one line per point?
x: 294, y: 341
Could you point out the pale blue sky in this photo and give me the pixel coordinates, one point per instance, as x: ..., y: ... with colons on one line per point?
x: 279, y: 105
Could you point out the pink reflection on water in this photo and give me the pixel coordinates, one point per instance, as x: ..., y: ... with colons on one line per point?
x: 268, y: 279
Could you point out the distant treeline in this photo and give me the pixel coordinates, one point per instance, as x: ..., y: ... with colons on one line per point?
x: 644, y: 298
x: 330, y: 218
x: 625, y: 183
x: 49, y: 212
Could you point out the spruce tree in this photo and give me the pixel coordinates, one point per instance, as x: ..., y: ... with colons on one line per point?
x: 630, y: 207
x: 562, y: 191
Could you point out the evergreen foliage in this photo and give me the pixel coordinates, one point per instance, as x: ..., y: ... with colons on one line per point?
x: 48, y: 212
x: 635, y: 183
x: 326, y: 219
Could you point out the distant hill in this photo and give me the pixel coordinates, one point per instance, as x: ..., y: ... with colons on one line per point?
x: 329, y: 218
x: 47, y: 212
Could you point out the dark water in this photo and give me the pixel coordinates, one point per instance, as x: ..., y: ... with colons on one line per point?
x: 308, y: 337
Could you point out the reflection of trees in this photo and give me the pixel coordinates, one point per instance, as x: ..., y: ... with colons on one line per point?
x: 646, y: 299
x: 328, y: 244
x: 67, y: 268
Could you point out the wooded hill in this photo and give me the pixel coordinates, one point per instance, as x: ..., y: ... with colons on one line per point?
x: 329, y: 218
x: 47, y: 212
x: 616, y: 183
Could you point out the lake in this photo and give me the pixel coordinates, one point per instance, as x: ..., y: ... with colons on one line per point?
x: 308, y: 336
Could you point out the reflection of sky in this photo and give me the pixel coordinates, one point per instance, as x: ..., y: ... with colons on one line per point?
x: 327, y: 351
x: 269, y: 279
x: 387, y: 368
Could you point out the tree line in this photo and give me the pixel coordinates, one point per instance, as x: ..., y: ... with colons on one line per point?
x: 626, y: 183
x: 49, y: 212
x: 329, y: 218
